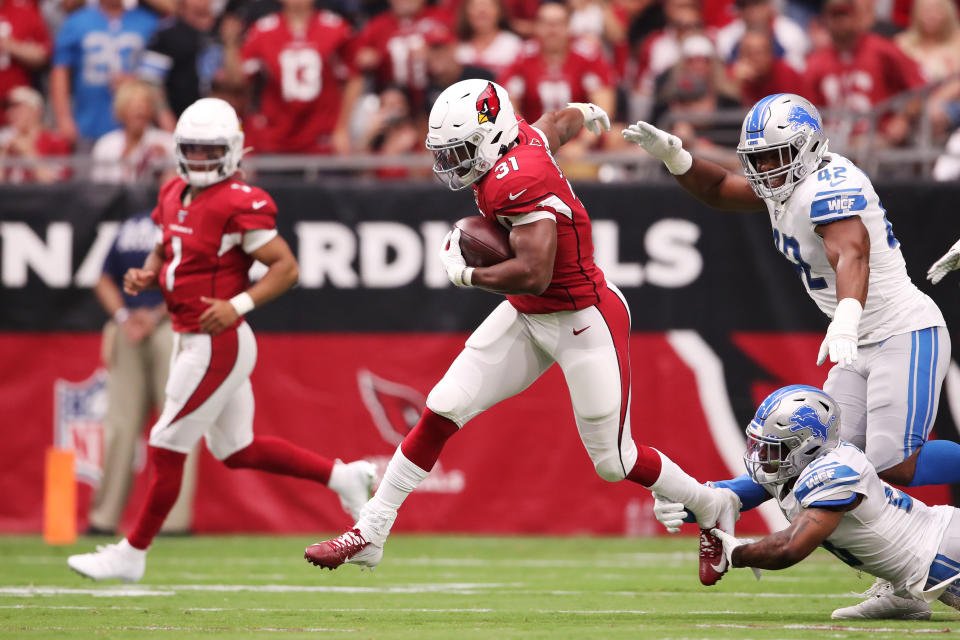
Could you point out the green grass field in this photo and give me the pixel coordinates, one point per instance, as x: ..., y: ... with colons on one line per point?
x: 432, y: 587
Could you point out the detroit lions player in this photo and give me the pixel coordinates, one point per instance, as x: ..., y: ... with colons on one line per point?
x: 832, y: 496
x: 888, y: 338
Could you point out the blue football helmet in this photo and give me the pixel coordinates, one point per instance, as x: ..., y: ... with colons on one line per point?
x: 793, y: 426
x: 788, y: 128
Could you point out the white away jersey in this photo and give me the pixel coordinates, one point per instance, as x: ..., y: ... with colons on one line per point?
x: 840, y: 190
x: 889, y: 535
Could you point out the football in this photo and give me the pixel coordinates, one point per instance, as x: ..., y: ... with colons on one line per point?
x: 483, y: 242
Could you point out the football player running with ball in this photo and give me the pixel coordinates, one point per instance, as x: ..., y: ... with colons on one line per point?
x: 559, y: 309
x: 888, y: 338
x: 833, y: 497
x: 214, y: 226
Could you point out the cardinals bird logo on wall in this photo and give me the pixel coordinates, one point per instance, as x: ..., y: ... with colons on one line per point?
x: 488, y: 104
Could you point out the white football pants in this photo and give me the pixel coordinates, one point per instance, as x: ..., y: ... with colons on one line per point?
x: 510, y: 350
x: 208, y: 393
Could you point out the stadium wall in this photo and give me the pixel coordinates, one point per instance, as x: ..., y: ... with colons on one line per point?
x: 346, y: 359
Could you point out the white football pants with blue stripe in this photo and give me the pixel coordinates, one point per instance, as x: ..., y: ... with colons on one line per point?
x: 888, y: 398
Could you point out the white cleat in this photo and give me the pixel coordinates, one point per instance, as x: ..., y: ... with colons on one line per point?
x: 353, y: 482
x: 111, y: 561
x: 883, y: 604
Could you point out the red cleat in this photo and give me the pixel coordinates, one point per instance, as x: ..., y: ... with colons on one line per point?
x: 348, y: 547
x: 713, y: 563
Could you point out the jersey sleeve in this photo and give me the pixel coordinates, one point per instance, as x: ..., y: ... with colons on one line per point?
x: 66, y: 52
x: 839, y: 194
x: 157, y: 214
x: 253, y: 210
x: 528, y: 189
x: 830, y: 483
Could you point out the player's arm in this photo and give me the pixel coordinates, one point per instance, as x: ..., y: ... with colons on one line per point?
x: 560, y: 127
x: 282, y: 273
x: 137, y: 280
x: 707, y: 181
x: 788, y: 547
x: 529, y: 271
x: 847, y: 245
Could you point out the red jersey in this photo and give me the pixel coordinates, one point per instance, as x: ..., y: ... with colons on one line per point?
x: 537, y: 86
x: 19, y: 20
x: 525, y: 181
x: 304, y: 74
x: 781, y: 79
x: 47, y: 144
x: 400, y: 43
x: 875, y: 71
x: 203, y: 244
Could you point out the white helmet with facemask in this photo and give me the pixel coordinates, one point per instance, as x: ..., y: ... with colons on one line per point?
x: 209, y: 127
x: 472, y: 124
x: 793, y: 426
x: 790, y: 127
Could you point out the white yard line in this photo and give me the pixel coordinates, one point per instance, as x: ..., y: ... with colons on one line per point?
x: 824, y: 627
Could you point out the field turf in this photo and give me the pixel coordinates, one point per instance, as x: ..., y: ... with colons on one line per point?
x: 433, y: 587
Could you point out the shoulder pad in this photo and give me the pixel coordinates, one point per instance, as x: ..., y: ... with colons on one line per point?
x: 837, y: 191
x: 827, y: 481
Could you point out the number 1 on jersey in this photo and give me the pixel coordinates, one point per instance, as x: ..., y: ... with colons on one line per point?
x: 176, y: 243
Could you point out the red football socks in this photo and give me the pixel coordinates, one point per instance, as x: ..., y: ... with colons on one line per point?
x: 167, y: 469
x: 276, y: 455
x: 647, y: 468
x: 423, y: 444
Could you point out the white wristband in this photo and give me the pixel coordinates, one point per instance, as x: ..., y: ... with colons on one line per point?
x: 467, y: 276
x: 679, y: 163
x: 243, y: 303
x: 121, y: 315
x: 848, y: 313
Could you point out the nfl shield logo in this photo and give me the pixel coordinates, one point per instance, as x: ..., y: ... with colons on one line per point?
x: 79, y: 412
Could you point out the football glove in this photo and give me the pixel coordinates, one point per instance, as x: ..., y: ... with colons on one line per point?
x: 668, y: 513
x: 842, y: 334
x: 661, y: 145
x: 452, y: 260
x: 950, y: 261
x: 730, y: 543
x: 595, y: 119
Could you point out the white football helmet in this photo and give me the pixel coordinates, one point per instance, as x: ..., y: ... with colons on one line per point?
x: 472, y: 124
x: 789, y: 126
x: 212, y: 124
x: 792, y: 427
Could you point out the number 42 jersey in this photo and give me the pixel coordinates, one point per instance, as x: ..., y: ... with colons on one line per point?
x: 206, y: 245
x: 840, y: 190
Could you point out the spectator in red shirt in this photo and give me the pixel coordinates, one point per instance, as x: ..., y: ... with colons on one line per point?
x: 388, y: 46
x: 24, y: 45
x: 551, y: 73
x: 756, y: 72
x: 25, y: 138
x: 486, y: 41
x: 859, y: 70
x: 309, y: 87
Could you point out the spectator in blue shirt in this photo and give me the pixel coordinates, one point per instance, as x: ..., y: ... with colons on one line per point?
x: 96, y: 48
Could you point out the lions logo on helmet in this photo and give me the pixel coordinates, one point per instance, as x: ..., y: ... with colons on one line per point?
x: 488, y: 105
x: 781, y: 143
x: 793, y: 426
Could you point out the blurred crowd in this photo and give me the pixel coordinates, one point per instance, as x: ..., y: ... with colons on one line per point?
x: 110, y: 78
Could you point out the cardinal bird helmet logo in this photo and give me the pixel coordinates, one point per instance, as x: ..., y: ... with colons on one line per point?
x: 488, y: 105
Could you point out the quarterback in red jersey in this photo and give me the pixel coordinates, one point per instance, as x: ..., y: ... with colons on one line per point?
x: 309, y: 87
x: 214, y: 226
x: 559, y: 309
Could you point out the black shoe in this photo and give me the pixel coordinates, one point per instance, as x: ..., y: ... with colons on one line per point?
x: 93, y: 530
